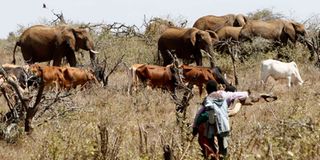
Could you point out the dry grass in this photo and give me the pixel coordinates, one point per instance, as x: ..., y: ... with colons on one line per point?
x: 106, y: 123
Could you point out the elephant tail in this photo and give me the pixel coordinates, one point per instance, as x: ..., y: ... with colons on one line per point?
x: 14, y: 52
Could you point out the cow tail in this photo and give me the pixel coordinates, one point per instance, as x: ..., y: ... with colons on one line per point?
x: 14, y: 52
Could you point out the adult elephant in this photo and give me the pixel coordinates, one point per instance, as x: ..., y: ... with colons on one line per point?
x: 42, y: 43
x: 277, y: 30
x: 186, y: 44
x: 214, y: 23
x: 229, y: 32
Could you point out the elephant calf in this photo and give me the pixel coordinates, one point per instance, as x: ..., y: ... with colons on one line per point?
x: 229, y: 32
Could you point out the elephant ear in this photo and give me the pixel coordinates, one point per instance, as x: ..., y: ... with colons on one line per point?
x: 290, y: 31
x: 193, y: 37
x: 213, y: 35
x: 299, y: 28
x: 240, y: 20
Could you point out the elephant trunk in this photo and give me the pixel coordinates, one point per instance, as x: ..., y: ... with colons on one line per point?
x: 311, y: 48
x: 210, y: 55
x: 93, y: 56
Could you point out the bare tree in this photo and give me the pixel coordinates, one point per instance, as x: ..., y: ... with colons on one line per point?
x: 315, y: 45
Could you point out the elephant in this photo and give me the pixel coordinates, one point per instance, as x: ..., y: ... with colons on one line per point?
x: 228, y: 32
x: 41, y: 43
x: 277, y: 30
x: 186, y: 44
x: 214, y: 23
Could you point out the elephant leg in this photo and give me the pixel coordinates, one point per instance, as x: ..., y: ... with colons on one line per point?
x: 57, y: 57
x: 28, y: 59
x: 198, y: 57
x: 71, y: 57
x: 57, y: 61
x: 167, y: 59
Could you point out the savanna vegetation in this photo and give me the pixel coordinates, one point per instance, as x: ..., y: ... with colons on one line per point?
x: 107, y: 123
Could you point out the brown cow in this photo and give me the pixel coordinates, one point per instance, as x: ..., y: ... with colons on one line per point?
x: 62, y: 77
x: 201, y: 75
x: 52, y: 75
x: 77, y: 76
x: 154, y: 76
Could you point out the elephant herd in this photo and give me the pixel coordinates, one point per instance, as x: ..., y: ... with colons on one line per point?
x: 41, y: 43
x: 187, y: 43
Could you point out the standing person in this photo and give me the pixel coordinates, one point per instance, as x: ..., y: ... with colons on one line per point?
x: 214, y: 112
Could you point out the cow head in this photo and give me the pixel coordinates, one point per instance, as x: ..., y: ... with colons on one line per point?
x: 217, y: 73
x: 35, y: 73
x: 296, y: 74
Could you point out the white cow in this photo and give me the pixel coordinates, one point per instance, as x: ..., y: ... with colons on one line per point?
x: 280, y: 70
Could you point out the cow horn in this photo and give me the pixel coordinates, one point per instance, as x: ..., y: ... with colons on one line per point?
x: 95, y: 52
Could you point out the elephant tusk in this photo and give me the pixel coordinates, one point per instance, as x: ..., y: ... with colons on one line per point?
x: 207, y: 54
x: 95, y: 52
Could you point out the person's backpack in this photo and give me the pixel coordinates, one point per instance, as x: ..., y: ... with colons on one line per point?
x: 217, y: 113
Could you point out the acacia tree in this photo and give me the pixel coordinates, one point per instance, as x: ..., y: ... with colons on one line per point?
x: 264, y: 14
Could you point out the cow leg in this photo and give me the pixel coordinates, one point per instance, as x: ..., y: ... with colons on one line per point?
x: 264, y: 79
x: 200, y: 89
x: 289, y: 81
x: 56, y: 86
x: 198, y: 57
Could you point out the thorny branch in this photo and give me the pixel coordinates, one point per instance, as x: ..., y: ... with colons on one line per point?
x: 112, y: 70
x: 122, y: 30
x: 30, y: 109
